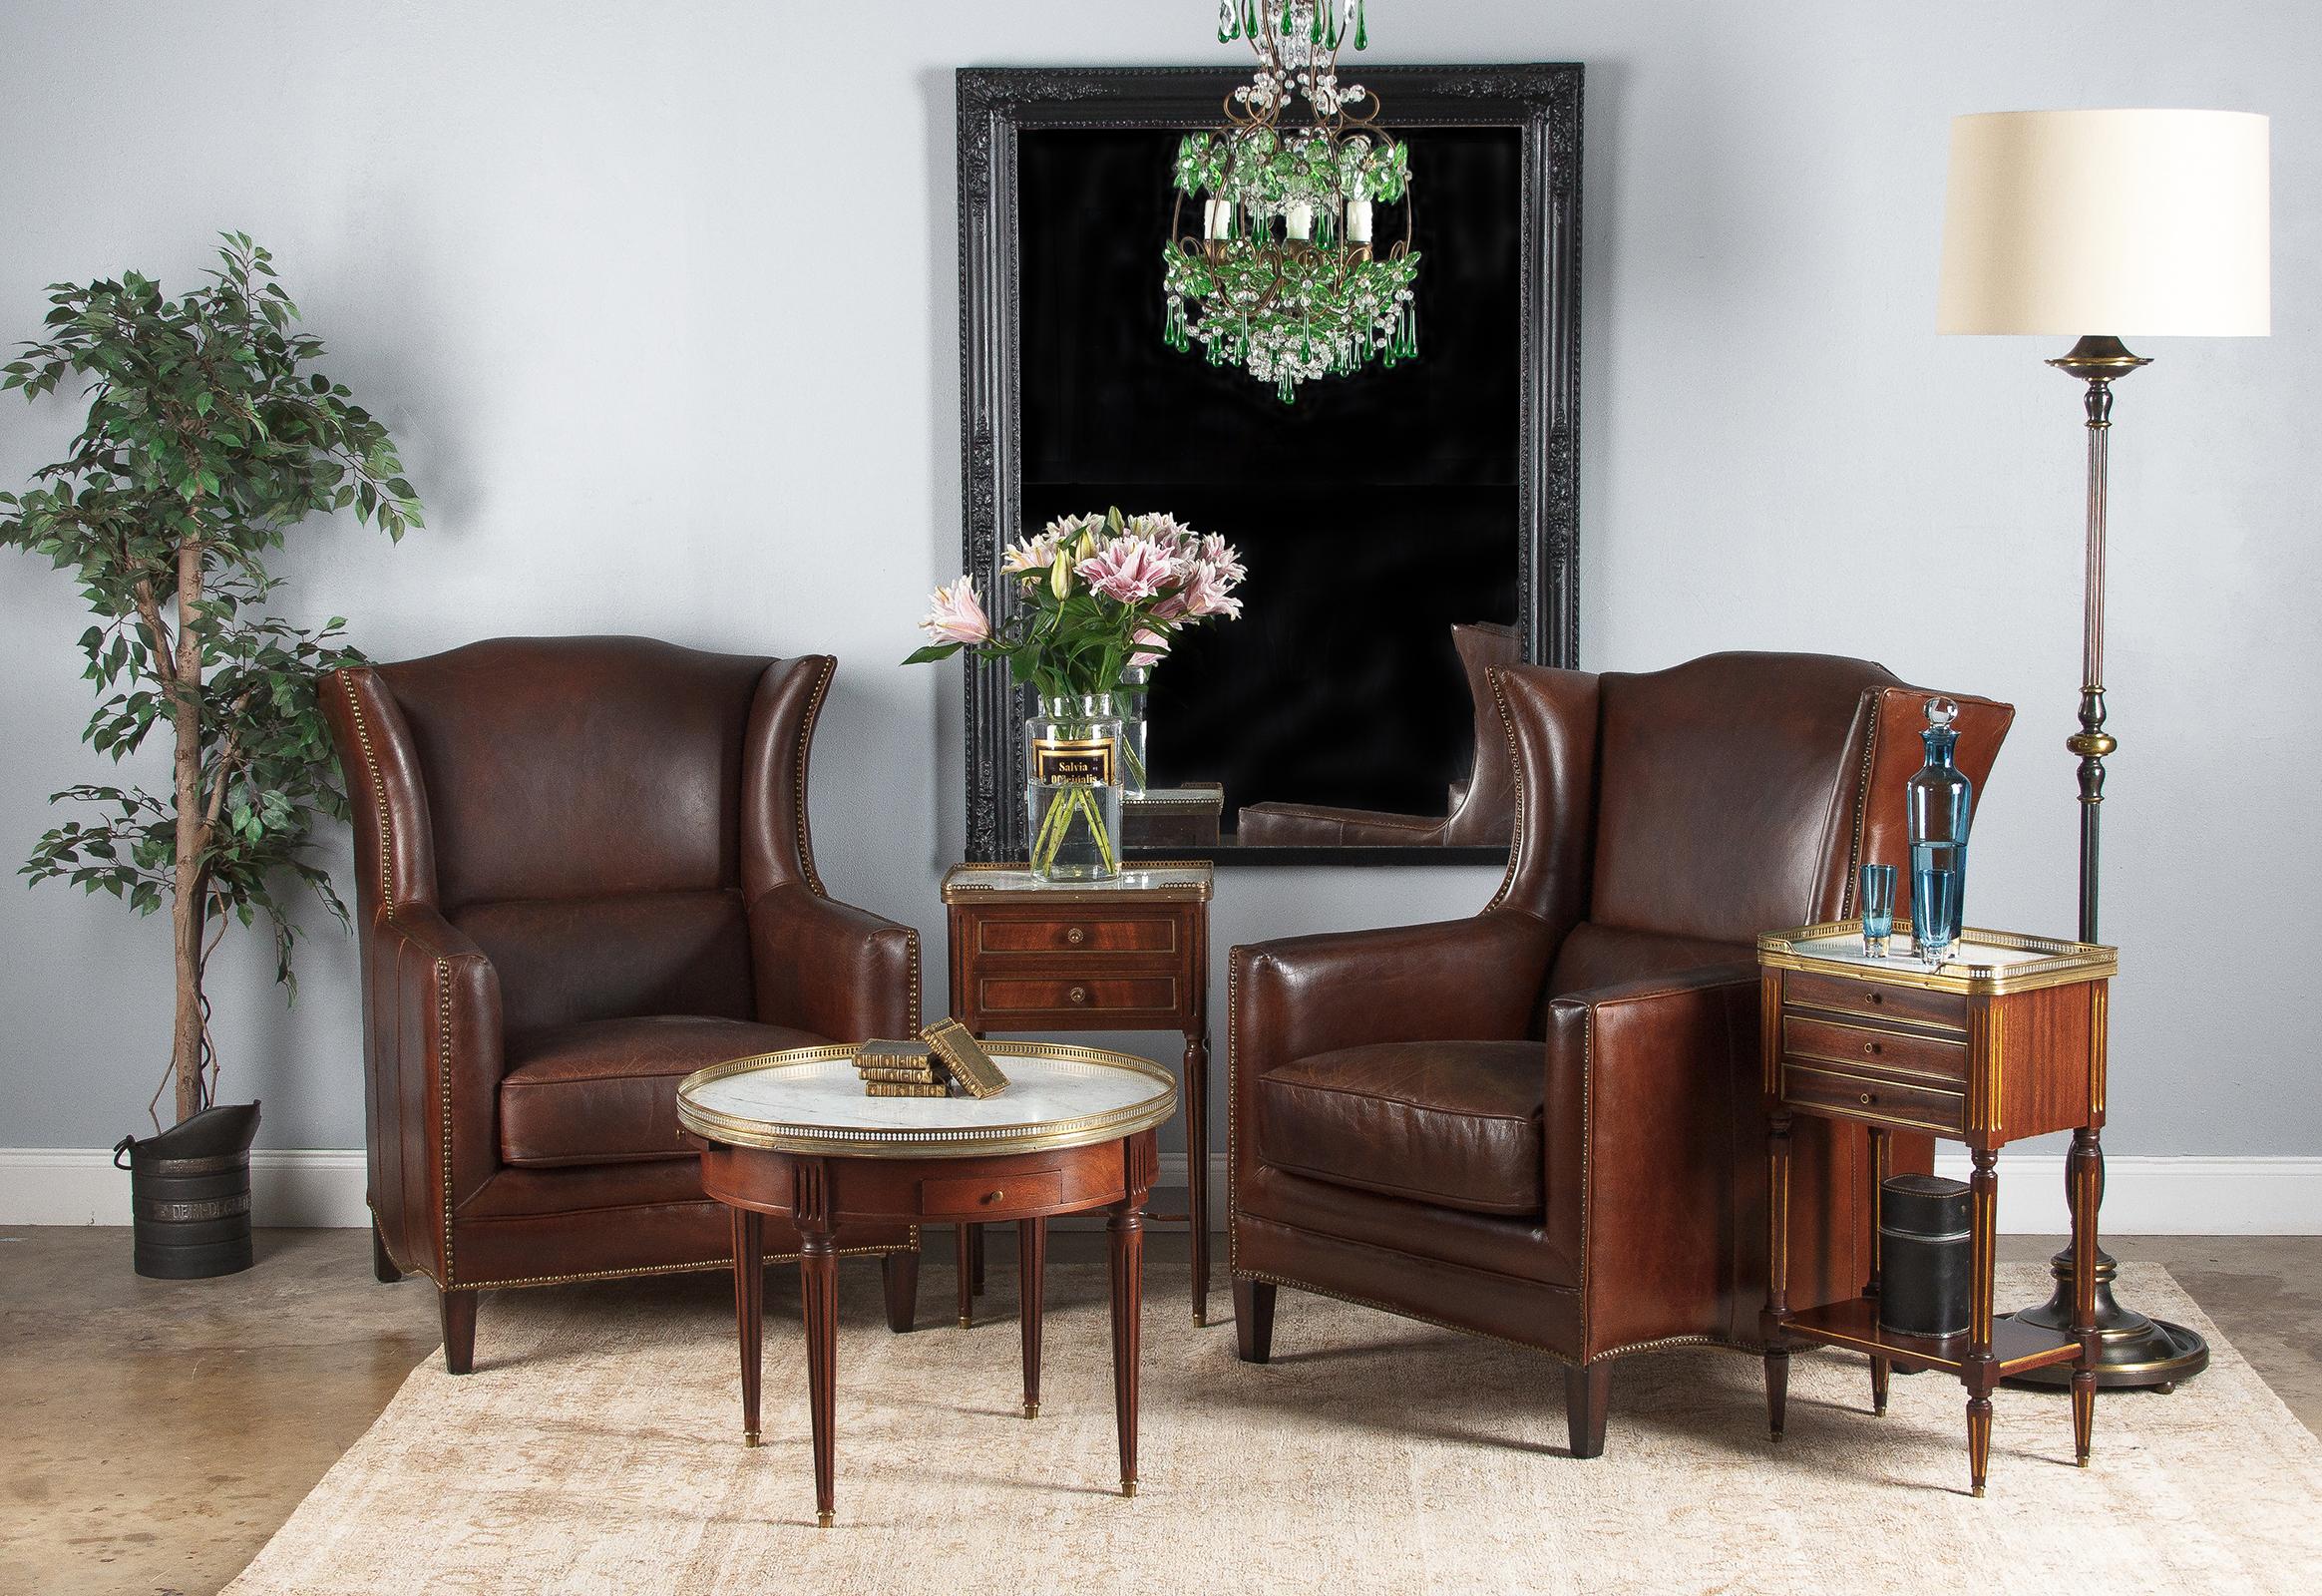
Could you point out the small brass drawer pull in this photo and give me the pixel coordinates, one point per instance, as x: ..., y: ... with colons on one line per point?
x: 1873, y: 1048
x: 1078, y: 995
x: 1878, y: 997
x: 991, y: 1197
x: 1870, y: 1098
x: 1076, y: 935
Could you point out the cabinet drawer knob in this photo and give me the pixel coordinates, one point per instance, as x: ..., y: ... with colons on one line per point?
x: 1878, y: 997
x: 1076, y: 935
x: 1874, y: 1049
x: 991, y: 1197
x: 1078, y: 995
x: 1870, y: 1098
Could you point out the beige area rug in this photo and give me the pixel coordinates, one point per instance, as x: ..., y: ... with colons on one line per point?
x: 597, y: 1449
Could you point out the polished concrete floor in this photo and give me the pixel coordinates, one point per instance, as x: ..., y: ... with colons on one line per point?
x: 154, y: 1434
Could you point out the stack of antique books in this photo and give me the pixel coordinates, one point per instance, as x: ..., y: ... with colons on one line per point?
x: 946, y: 1052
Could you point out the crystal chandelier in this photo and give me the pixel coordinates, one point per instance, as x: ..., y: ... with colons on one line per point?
x: 1285, y: 278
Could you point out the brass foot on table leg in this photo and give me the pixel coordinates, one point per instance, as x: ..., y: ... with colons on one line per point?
x: 1979, y: 1491
x: 967, y: 1322
x: 1031, y: 1409
x: 823, y: 1520
x: 1200, y: 1318
x: 1128, y: 1488
x: 749, y: 1437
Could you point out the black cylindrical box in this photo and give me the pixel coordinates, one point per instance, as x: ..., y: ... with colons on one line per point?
x: 1923, y: 1254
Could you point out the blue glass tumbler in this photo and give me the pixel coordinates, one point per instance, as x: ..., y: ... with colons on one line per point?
x: 1878, y: 907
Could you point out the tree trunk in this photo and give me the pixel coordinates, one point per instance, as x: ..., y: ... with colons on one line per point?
x: 187, y: 904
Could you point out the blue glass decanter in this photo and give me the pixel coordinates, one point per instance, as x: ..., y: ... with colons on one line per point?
x: 1938, y: 796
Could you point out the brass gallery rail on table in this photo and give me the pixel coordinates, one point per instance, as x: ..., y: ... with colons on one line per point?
x: 792, y: 1134
x: 2004, y: 1042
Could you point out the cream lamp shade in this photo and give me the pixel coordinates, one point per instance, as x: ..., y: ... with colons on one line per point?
x: 2124, y: 224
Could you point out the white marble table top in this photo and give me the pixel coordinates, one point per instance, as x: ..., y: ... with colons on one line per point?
x: 811, y: 1099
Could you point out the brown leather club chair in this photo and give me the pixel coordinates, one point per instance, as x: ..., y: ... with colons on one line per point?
x: 583, y: 872
x: 1544, y: 1124
x: 1480, y: 810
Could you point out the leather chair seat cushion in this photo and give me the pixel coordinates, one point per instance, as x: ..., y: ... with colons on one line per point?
x: 1453, y: 1124
x: 605, y: 1091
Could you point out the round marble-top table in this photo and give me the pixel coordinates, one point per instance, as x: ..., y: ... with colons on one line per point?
x: 794, y: 1134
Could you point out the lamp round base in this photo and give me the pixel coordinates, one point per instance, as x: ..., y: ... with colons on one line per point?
x: 2137, y: 1353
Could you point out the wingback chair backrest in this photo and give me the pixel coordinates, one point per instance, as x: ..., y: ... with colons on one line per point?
x: 1669, y: 817
x: 596, y: 813
x: 1483, y: 806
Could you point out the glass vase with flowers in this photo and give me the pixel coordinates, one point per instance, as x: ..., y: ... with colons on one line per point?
x: 1095, y: 602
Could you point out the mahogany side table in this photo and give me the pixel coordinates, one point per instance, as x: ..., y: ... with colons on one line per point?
x: 793, y: 1133
x: 2003, y: 1041
x: 1126, y: 953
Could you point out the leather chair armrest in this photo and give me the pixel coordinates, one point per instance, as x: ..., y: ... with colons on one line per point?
x: 836, y: 971
x: 436, y: 1056
x: 1476, y: 980
x: 1655, y: 1147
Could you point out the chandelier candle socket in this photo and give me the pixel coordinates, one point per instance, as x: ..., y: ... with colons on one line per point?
x: 1285, y: 279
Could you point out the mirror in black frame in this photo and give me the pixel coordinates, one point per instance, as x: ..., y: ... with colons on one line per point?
x: 1405, y: 529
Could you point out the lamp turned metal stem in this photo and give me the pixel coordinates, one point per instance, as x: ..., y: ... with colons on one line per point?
x: 2137, y: 1351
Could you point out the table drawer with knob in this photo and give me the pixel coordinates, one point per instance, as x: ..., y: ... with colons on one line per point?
x: 1904, y: 1004
x: 1005, y: 998
x: 1879, y: 1099
x: 977, y: 1196
x: 1814, y: 1040
x: 1111, y: 935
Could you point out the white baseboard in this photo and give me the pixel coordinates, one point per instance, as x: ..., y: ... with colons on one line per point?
x: 294, y: 1186
x: 2144, y: 1196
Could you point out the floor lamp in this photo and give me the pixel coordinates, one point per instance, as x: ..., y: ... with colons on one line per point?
x: 2130, y: 222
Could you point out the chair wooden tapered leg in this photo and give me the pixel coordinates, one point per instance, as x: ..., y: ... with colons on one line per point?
x: 1031, y: 1277
x: 458, y: 1314
x: 1588, y: 1391
x: 898, y: 1272
x: 750, y: 1310
x: 383, y: 1267
x: 1253, y: 1319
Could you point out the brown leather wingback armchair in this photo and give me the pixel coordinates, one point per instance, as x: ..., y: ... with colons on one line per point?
x: 1544, y: 1123
x: 583, y: 872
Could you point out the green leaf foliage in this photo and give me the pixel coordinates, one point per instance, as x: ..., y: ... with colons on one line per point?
x: 208, y: 435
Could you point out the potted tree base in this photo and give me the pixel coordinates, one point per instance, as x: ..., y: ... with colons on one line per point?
x: 189, y: 1194
x: 209, y: 435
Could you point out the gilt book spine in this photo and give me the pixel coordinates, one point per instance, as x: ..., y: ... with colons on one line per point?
x: 969, y: 1065
x: 903, y: 1077
x: 898, y: 1088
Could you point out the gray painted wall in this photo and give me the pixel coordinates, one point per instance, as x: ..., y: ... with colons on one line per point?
x: 659, y: 302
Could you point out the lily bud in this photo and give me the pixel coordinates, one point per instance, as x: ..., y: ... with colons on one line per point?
x: 1060, y: 575
x: 1087, y: 545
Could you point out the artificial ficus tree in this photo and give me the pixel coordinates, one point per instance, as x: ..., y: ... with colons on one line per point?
x: 208, y: 435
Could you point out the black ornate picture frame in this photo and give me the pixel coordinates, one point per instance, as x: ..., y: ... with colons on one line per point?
x: 1540, y: 103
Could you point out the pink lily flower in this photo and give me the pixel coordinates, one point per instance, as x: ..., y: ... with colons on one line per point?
x: 956, y: 616
x: 1225, y: 557
x: 1209, y: 591
x: 1153, y: 645
x: 1128, y: 571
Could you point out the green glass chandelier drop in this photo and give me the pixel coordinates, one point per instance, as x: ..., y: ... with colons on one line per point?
x: 1274, y: 263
